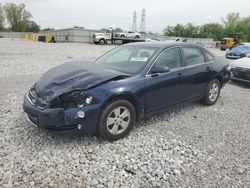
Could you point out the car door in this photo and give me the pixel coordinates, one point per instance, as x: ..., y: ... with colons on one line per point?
x: 130, y: 34
x: 108, y: 34
x: 169, y: 88
x: 197, y: 69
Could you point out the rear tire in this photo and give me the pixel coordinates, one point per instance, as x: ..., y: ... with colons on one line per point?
x: 137, y: 36
x: 122, y: 36
x: 212, y: 92
x: 116, y: 120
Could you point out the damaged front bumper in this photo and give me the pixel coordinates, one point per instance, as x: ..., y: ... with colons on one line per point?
x: 234, y: 56
x: 63, y: 119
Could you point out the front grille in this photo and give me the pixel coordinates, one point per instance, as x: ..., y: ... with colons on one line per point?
x: 242, y: 73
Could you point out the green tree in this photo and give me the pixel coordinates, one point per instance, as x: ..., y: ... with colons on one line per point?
x: 169, y: 31
x: 118, y: 30
x: 33, y: 27
x: 212, y: 30
x: 191, y: 31
x: 243, y: 27
x: 48, y: 29
x: 231, y: 22
x: 2, y: 18
x: 17, y: 17
x: 176, y: 31
x: 180, y: 30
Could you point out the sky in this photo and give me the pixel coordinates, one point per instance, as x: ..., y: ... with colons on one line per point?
x: 97, y: 14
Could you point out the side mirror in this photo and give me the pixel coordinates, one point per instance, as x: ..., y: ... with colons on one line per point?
x: 159, y: 69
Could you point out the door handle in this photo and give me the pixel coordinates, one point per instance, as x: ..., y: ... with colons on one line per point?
x: 179, y: 75
x: 154, y: 75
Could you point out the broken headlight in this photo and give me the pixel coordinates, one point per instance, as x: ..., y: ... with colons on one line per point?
x: 71, y: 100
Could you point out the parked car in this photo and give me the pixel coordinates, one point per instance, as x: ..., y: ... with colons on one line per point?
x: 238, y: 52
x: 129, y: 34
x: 173, y: 40
x: 152, y: 40
x: 107, y: 96
x: 240, y: 70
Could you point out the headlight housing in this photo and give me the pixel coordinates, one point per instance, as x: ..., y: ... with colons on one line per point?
x: 230, y: 66
x: 71, y: 100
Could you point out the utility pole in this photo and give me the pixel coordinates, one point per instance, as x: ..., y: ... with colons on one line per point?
x: 143, y: 22
x: 134, y: 27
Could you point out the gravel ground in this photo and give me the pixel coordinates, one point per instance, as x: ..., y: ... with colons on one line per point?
x: 191, y: 146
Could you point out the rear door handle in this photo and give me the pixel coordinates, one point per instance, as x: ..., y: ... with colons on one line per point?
x: 179, y: 75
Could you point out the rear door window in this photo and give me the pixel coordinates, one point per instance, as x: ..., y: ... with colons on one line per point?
x: 210, y: 57
x: 170, y: 58
x: 193, y: 56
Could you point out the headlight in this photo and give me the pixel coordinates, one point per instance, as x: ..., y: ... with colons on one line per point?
x: 73, y: 99
x: 230, y: 66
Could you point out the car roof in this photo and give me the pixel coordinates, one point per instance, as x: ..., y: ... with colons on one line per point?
x: 163, y: 44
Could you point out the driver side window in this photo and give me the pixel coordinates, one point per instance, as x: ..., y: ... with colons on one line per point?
x: 170, y: 58
x: 121, y: 56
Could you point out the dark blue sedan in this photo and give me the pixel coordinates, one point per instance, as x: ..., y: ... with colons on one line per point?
x: 106, y: 97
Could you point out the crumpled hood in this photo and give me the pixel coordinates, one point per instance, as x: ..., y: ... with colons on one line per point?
x: 243, y: 62
x: 70, y: 77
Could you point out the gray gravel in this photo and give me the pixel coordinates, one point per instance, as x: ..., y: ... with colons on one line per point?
x: 191, y: 146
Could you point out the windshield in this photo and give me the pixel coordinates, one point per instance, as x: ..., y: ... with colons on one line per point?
x: 223, y: 41
x: 127, y: 59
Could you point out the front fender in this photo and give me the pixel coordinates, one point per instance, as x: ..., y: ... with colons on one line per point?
x: 131, y: 97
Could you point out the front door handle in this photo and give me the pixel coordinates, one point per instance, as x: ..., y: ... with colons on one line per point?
x: 154, y: 75
x: 179, y: 75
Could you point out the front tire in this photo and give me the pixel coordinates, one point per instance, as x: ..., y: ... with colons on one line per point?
x: 116, y: 120
x: 212, y: 92
x: 102, y: 42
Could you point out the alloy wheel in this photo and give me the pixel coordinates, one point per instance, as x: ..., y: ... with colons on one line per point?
x: 213, y: 92
x: 118, y: 120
